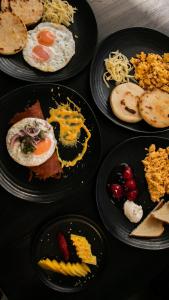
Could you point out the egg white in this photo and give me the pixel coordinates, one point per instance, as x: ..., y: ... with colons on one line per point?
x: 30, y: 159
x: 61, y: 51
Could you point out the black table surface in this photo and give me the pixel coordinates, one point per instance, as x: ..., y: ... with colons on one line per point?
x: 127, y: 269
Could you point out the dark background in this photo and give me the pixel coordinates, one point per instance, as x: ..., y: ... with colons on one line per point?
x: 129, y: 273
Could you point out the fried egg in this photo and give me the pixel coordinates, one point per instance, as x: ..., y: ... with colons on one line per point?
x: 31, y: 141
x: 49, y: 47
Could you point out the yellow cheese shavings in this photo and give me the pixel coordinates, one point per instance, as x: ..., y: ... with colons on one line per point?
x: 118, y: 68
x: 67, y: 269
x: 59, y: 12
x: 83, y: 249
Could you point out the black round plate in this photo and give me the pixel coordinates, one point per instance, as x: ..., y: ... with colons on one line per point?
x: 14, y: 177
x: 45, y: 246
x: 84, y: 30
x: 129, y: 41
x: 131, y: 151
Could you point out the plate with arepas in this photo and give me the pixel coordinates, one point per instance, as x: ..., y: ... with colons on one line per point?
x: 129, y: 79
x: 47, y: 43
x: 132, y: 192
x: 50, y: 142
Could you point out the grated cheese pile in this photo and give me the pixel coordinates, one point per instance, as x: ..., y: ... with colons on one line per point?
x: 59, y: 12
x: 118, y: 68
x: 156, y: 167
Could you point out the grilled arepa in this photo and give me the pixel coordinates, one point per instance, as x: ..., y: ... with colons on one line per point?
x: 30, y: 11
x: 13, y: 33
x: 124, y: 102
x: 154, y: 108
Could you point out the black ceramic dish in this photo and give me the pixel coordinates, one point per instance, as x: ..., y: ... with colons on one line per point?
x: 84, y: 30
x: 14, y: 178
x: 45, y: 246
x: 129, y: 41
x: 131, y: 151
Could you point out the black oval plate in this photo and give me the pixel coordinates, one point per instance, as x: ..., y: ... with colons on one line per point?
x: 131, y: 151
x: 45, y: 246
x: 14, y: 177
x: 129, y: 41
x: 84, y: 30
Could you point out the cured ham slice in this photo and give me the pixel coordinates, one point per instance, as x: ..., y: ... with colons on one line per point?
x: 34, y: 111
x: 48, y: 169
x: 52, y: 167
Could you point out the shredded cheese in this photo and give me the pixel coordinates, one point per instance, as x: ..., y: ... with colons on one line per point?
x: 118, y: 68
x: 58, y: 11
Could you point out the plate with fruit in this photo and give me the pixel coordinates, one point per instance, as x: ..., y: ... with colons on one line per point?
x: 68, y: 253
x: 125, y: 197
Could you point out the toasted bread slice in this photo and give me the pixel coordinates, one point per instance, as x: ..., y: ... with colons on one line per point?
x: 30, y: 11
x: 154, y: 108
x: 150, y: 226
x: 124, y: 102
x: 13, y: 33
x: 162, y: 214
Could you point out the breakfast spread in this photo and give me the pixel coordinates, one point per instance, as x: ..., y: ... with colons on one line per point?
x: 66, y: 267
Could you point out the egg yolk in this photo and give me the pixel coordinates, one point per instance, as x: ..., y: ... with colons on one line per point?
x: 40, y: 53
x: 42, y: 147
x: 46, y: 38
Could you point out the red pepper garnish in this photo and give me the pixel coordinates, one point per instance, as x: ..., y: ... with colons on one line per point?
x: 63, y: 246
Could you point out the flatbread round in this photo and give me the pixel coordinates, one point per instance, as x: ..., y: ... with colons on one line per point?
x: 13, y: 33
x: 154, y: 108
x: 5, y: 5
x: 124, y: 102
x: 30, y: 11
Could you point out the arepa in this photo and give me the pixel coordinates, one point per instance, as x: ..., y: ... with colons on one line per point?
x: 30, y: 11
x: 13, y: 33
x: 154, y: 108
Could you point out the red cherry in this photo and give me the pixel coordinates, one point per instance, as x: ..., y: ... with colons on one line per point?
x: 130, y: 184
x: 132, y: 195
x: 116, y: 190
x: 127, y: 173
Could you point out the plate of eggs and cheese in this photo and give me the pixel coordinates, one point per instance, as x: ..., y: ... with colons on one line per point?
x: 47, y: 43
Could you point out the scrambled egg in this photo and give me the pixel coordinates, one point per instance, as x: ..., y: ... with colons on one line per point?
x: 152, y: 70
x: 156, y: 167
